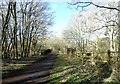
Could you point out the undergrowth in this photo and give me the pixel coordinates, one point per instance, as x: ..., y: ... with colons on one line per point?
x: 70, y: 69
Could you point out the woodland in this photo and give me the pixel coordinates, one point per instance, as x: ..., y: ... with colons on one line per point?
x: 88, y: 52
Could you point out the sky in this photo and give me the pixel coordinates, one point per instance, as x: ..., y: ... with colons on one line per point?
x: 62, y: 15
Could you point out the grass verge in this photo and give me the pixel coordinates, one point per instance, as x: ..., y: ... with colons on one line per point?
x: 71, y: 70
x: 65, y: 70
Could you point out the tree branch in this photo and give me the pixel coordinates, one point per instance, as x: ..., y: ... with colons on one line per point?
x: 91, y: 3
x: 105, y: 7
x: 102, y: 27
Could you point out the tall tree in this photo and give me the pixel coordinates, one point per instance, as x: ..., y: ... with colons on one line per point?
x: 116, y: 69
x: 23, y: 24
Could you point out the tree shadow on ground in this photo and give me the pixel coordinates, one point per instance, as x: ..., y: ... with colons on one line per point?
x: 82, y: 74
x: 29, y: 74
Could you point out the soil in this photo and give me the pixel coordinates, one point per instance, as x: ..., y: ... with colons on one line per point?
x: 36, y: 73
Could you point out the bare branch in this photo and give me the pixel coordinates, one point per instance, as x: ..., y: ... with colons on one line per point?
x: 91, y: 3
x: 106, y: 26
x: 105, y: 7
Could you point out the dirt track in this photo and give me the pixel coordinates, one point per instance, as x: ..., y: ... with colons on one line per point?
x: 36, y: 73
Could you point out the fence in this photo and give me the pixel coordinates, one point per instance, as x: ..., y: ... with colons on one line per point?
x: 108, y: 56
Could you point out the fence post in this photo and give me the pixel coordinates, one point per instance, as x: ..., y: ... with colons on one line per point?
x: 108, y: 58
x: 92, y: 58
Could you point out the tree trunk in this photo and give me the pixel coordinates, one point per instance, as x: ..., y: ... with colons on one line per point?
x: 115, y: 75
x: 4, y: 29
x: 15, y: 30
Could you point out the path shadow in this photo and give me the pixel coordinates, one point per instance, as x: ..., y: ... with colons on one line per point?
x: 37, y: 70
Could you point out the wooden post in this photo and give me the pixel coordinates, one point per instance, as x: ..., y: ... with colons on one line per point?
x: 92, y: 59
x: 108, y: 58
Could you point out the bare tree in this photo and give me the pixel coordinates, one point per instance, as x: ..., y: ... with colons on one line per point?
x: 23, y: 27
x: 116, y: 69
x: 75, y: 33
